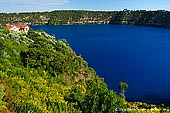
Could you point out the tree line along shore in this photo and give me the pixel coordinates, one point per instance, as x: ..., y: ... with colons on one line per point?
x: 158, y: 18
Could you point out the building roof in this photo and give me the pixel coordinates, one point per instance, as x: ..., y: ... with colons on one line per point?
x: 9, y: 26
x: 18, y: 28
x: 21, y: 26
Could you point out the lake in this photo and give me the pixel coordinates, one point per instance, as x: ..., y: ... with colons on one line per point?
x: 139, y: 56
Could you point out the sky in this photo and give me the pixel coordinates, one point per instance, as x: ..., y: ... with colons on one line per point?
x: 16, y: 6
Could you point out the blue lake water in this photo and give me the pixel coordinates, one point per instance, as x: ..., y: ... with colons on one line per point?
x: 139, y: 56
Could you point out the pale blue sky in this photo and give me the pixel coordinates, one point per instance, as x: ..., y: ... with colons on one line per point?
x: 49, y: 5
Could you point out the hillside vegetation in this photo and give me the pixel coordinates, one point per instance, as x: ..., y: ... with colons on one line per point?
x: 57, y: 17
x: 159, y: 18
x: 39, y: 74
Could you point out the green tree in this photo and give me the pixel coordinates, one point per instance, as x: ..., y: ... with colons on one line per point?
x: 99, y: 99
x: 123, y: 86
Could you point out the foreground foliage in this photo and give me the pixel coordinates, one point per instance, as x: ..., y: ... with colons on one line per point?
x: 39, y: 74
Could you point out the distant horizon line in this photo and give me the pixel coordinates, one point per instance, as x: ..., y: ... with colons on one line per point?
x: 87, y: 10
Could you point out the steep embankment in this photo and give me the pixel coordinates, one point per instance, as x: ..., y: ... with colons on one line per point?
x: 39, y: 74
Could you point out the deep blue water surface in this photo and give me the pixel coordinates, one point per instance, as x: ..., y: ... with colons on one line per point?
x: 137, y: 55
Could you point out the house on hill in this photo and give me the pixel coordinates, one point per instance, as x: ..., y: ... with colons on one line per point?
x: 18, y: 28
x: 13, y: 28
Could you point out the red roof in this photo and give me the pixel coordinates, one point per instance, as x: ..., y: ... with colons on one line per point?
x: 21, y: 26
x: 9, y: 26
x: 18, y: 26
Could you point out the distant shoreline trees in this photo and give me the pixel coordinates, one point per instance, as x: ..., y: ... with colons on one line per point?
x: 158, y: 18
